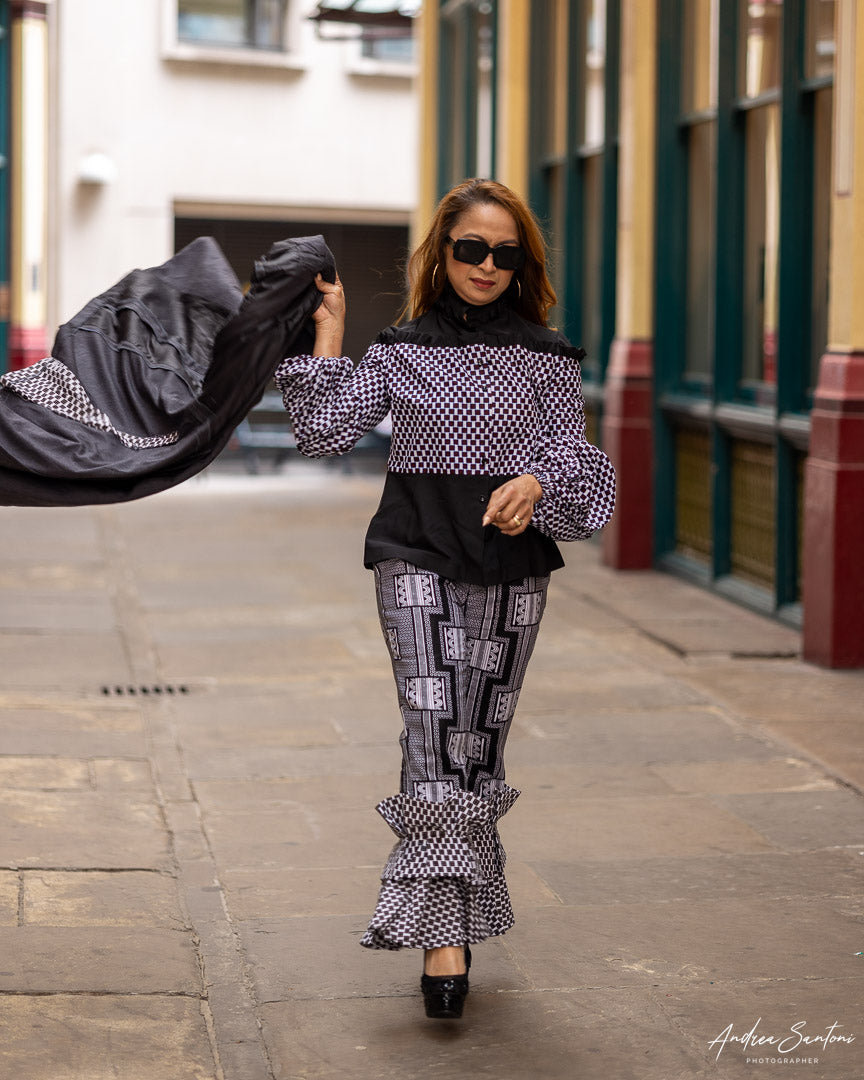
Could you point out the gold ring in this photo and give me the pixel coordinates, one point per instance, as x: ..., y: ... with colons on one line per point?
x: 517, y: 519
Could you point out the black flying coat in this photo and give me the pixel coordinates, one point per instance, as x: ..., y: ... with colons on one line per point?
x: 146, y: 384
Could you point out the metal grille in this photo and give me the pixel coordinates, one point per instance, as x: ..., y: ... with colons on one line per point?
x: 753, y: 520
x: 693, y: 535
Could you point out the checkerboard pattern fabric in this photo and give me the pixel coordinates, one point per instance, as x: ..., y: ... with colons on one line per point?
x: 475, y: 409
x: 52, y: 385
x: 444, y: 881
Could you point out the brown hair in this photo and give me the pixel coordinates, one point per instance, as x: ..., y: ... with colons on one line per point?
x: 531, y: 298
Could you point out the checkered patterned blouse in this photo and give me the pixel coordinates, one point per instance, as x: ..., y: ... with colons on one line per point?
x: 476, y: 396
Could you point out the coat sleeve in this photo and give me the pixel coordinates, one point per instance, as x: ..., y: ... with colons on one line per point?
x: 333, y: 404
x: 578, y: 479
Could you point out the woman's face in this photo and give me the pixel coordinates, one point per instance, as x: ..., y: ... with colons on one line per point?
x: 483, y: 283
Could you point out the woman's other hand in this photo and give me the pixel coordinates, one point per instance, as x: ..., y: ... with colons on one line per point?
x: 510, y: 506
x: 329, y: 318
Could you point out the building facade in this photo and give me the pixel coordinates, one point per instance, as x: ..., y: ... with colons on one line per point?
x: 136, y: 126
x: 698, y: 166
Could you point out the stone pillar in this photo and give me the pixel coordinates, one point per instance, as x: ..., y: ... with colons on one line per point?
x: 628, y: 540
x: 28, y: 269
x: 833, y: 557
x: 514, y: 80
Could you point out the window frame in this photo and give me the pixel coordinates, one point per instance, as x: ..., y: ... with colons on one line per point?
x: 176, y: 49
x: 572, y: 166
x: 724, y: 409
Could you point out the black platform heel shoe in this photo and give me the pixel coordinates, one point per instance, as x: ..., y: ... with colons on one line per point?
x: 444, y: 995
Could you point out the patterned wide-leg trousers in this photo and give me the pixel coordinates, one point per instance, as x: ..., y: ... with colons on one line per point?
x: 459, y: 655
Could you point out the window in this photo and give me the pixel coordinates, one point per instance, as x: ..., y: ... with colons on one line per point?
x: 574, y: 154
x: 699, y: 124
x: 249, y: 24
x: 743, y: 213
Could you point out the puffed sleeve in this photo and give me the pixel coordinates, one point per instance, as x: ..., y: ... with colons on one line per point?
x: 578, y: 479
x: 333, y: 404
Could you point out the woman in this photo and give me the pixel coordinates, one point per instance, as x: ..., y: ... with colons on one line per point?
x: 488, y: 467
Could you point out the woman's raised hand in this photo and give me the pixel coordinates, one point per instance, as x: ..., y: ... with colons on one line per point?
x: 329, y: 318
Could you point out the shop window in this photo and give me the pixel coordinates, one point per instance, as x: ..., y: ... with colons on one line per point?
x: 753, y: 538
x: 761, y: 242
x: 693, y: 535
x: 574, y: 152
x: 819, y: 71
x: 699, y: 105
x: 248, y: 24
x: 467, y: 99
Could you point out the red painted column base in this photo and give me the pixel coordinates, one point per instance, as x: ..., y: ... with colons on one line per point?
x: 833, y: 557
x: 628, y: 439
x: 27, y: 345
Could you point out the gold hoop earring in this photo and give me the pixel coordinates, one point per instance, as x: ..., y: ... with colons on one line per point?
x: 434, y: 274
x: 519, y: 288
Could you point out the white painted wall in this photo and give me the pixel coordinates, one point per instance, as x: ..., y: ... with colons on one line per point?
x: 316, y: 135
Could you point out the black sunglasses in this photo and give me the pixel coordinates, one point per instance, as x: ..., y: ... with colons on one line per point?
x: 505, y: 256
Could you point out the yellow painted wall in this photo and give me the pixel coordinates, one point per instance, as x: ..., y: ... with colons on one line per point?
x: 513, y: 91
x: 428, y: 132
x: 635, y: 291
x: 846, y: 311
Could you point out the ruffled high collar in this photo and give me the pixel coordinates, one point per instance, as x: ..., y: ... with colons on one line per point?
x: 474, y: 316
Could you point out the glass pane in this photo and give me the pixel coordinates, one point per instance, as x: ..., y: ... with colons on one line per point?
x: 593, y: 120
x: 553, y: 79
x: 821, y: 228
x: 761, y: 36
x: 485, y: 90
x: 759, y: 360
x: 453, y: 46
x: 268, y: 23
x: 700, y: 55
x: 702, y: 172
x: 592, y: 255
x: 820, y: 38
x: 216, y: 22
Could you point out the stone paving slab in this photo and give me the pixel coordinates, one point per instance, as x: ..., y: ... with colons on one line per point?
x: 624, y: 828
x: 97, y: 898
x: 801, y: 820
x: 592, y: 1036
x: 633, y: 737
x: 300, y: 838
x: 67, y: 662
x: 787, y: 1013
x: 704, y: 877
x: 81, y: 829
x: 45, y: 773
x: 835, y: 743
x: 71, y: 732
x: 78, y: 1037
x: 742, y: 777
x: 48, y: 610
x: 97, y: 960
x: 725, y: 940
x: 329, y: 792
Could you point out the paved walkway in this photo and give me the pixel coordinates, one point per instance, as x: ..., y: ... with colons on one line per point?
x: 196, y: 719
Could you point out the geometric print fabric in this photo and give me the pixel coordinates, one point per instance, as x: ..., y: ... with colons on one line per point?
x: 52, y: 385
x: 466, y: 410
x: 459, y: 654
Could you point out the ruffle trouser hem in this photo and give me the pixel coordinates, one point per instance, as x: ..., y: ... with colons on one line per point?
x: 444, y: 881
